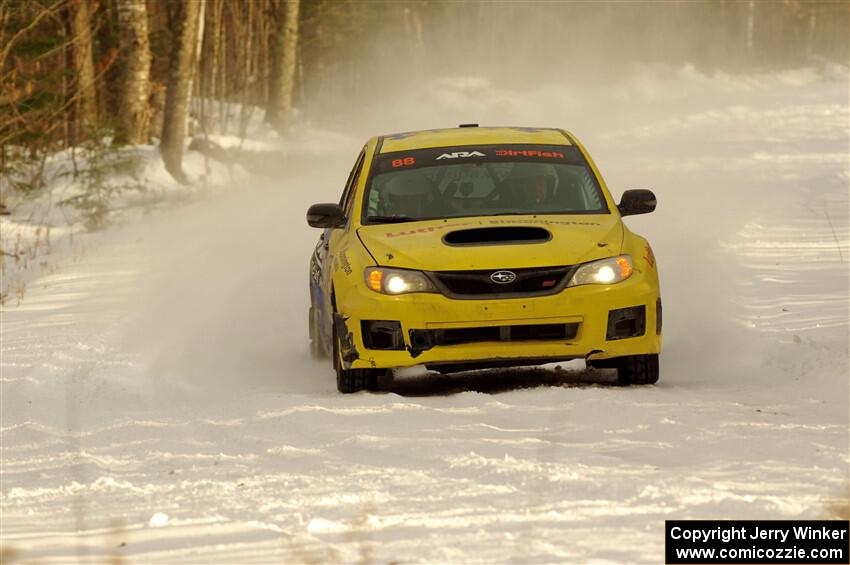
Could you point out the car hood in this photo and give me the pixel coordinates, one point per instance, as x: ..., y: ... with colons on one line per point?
x: 494, y: 242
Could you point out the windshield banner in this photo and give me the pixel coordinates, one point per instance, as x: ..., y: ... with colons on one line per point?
x: 402, y: 160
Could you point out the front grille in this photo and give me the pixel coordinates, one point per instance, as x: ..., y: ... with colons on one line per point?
x: 421, y: 340
x: 478, y: 284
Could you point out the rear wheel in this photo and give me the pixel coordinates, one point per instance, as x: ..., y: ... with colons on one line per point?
x: 351, y: 380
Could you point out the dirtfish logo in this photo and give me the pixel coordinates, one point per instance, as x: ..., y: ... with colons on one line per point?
x: 461, y: 154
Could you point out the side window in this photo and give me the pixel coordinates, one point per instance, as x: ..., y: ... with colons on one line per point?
x: 347, y: 199
x: 592, y: 196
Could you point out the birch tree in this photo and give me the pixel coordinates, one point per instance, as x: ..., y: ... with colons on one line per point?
x: 85, y: 107
x: 178, y: 89
x: 284, y: 49
x: 134, y: 113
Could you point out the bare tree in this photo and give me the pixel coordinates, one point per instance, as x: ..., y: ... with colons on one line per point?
x: 210, y: 61
x: 134, y: 114
x: 282, y: 69
x: 58, y: 83
x: 178, y: 90
x: 83, y: 57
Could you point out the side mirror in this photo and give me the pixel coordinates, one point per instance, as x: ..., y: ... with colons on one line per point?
x: 325, y: 216
x: 637, y: 201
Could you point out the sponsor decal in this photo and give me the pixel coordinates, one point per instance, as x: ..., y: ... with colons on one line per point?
x: 545, y: 222
x: 503, y: 277
x: 649, y: 256
x: 405, y: 134
x: 529, y: 153
x: 344, y: 263
x: 431, y: 229
x: 424, y: 230
x: 400, y: 136
x: 460, y: 155
x: 403, y: 162
x: 492, y: 222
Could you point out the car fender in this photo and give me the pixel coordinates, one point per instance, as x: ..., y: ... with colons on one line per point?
x: 347, y: 262
x: 643, y: 258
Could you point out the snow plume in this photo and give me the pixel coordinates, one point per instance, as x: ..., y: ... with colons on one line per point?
x: 732, y: 160
x: 224, y: 287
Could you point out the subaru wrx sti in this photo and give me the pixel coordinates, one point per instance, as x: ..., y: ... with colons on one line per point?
x: 476, y: 247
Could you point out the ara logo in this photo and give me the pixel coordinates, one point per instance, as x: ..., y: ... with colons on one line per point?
x: 460, y: 154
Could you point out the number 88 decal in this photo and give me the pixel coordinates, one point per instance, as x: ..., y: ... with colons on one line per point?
x: 405, y: 162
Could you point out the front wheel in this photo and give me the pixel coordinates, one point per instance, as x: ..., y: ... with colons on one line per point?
x: 355, y: 380
x: 633, y: 369
x: 351, y: 380
x: 638, y: 370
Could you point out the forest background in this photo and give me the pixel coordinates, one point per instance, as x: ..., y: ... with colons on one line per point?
x: 99, y: 74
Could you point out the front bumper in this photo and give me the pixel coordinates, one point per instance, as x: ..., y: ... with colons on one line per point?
x: 580, y: 313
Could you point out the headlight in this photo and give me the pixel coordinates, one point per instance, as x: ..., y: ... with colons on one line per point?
x: 606, y: 271
x: 397, y: 281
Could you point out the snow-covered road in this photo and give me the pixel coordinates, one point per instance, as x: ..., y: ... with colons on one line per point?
x: 159, y: 403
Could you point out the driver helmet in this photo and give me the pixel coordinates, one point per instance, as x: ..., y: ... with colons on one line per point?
x: 406, y: 194
x: 532, y: 181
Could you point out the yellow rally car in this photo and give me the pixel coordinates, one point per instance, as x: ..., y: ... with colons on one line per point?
x: 478, y: 247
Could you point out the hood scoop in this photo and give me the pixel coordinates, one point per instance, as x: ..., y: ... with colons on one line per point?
x: 497, y: 236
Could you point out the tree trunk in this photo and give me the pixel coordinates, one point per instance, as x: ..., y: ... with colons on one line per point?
x: 177, y: 92
x: 811, y: 26
x: 751, y: 28
x: 282, y: 68
x: 246, y: 50
x: 209, y: 63
x: 221, y: 82
x: 83, y: 54
x: 134, y: 114
x: 196, y: 56
x: 265, y: 34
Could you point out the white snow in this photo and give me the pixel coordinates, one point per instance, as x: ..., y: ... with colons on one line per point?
x: 159, y: 403
x: 158, y: 520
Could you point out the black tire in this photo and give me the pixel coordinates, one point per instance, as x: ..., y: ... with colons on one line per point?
x: 352, y: 380
x: 355, y: 380
x: 637, y: 370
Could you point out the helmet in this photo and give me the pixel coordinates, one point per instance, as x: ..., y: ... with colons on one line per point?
x: 522, y: 173
x: 407, y: 183
x: 406, y: 193
x: 532, y: 180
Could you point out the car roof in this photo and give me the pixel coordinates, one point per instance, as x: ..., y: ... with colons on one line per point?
x: 472, y: 135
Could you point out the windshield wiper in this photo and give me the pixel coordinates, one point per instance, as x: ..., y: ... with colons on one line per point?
x: 392, y: 219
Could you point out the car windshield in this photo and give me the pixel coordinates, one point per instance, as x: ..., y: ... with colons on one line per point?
x: 481, y: 181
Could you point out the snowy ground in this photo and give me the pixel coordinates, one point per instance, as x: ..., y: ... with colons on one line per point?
x: 159, y: 403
